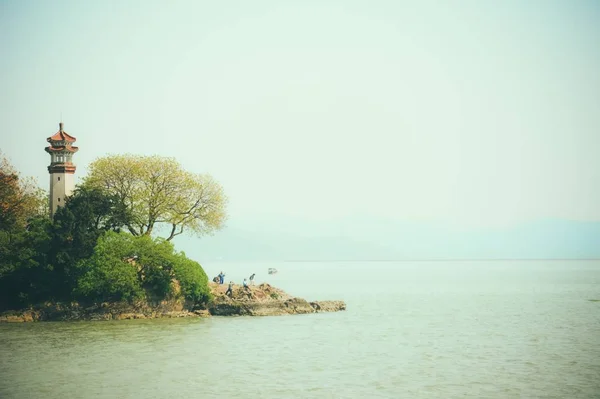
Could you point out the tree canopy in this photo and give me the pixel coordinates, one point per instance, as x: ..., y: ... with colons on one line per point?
x: 83, y: 254
x: 125, y: 267
x: 20, y: 198
x: 24, y: 237
x: 157, y: 192
x: 75, y: 230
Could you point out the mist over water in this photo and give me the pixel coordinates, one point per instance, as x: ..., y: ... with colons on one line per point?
x: 412, y: 329
x: 339, y: 130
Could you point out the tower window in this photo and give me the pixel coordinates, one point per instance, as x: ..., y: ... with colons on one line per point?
x: 58, y: 178
x: 58, y: 199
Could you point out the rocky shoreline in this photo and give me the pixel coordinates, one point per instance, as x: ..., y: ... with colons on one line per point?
x: 261, y: 300
x: 264, y: 300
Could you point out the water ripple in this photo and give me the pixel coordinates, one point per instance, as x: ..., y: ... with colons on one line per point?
x: 421, y: 332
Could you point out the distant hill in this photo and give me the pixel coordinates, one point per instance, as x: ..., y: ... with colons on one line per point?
x: 388, y: 240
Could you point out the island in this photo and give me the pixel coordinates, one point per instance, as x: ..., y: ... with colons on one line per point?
x: 259, y: 300
x: 104, y: 249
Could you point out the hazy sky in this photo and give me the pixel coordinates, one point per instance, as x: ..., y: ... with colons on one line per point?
x: 469, y: 113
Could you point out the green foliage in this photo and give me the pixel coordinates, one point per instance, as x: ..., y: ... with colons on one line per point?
x: 126, y: 267
x: 25, y: 275
x: 107, y: 274
x: 155, y: 265
x: 157, y: 192
x: 24, y: 239
x: 192, y: 278
x: 87, y: 214
x: 20, y: 198
x: 81, y: 254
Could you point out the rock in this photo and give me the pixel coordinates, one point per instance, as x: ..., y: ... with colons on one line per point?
x: 298, y: 306
x: 27, y: 317
x: 202, y: 313
x: 261, y: 300
x: 129, y: 316
x: 177, y: 314
x: 264, y: 300
x: 328, y: 306
x: 22, y: 316
x: 11, y: 319
x: 101, y: 316
x: 227, y: 309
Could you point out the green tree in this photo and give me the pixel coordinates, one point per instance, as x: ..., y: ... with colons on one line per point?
x: 192, y: 279
x: 107, y: 275
x: 24, y: 239
x: 153, y: 260
x: 82, y: 252
x: 77, y: 225
x: 25, y: 273
x: 126, y: 267
x: 157, y: 192
x: 20, y: 198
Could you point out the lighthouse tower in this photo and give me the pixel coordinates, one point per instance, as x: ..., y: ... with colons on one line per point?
x: 61, y: 167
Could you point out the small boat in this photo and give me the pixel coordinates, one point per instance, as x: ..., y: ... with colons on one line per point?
x: 272, y: 270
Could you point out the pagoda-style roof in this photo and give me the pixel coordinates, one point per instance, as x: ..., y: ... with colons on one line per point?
x: 61, y: 135
x: 61, y: 148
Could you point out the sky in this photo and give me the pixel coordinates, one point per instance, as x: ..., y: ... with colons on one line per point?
x: 469, y: 114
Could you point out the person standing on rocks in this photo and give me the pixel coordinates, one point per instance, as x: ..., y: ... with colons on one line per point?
x: 246, y: 285
x: 252, y: 279
x: 229, y: 291
x: 221, y: 277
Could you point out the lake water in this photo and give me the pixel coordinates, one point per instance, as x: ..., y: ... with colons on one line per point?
x: 412, y: 330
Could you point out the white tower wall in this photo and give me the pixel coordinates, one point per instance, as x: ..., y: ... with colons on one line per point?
x: 62, y: 185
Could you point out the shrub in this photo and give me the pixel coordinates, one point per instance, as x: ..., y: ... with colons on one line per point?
x: 25, y: 275
x: 106, y: 275
x: 192, y: 279
x: 124, y: 267
x: 153, y: 260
